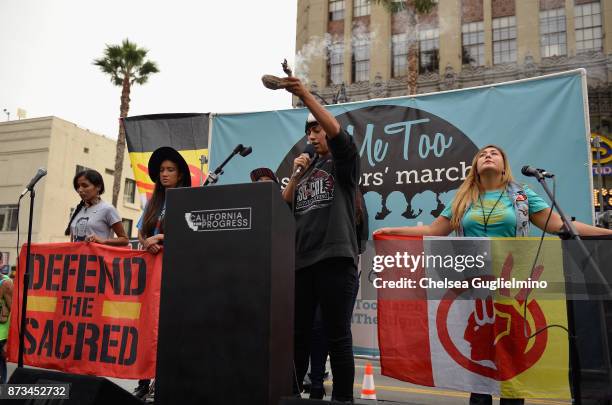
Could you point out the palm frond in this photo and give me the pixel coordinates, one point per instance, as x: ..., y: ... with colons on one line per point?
x: 126, y: 60
x: 419, y: 6
x: 147, y: 68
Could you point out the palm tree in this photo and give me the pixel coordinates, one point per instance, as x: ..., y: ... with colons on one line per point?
x: 414, y: 8
x: 126, y: 65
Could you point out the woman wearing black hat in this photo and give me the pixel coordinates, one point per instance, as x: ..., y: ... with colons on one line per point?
x: 167, y: 169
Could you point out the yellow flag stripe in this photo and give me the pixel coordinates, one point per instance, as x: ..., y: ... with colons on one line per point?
x: 41, y: 304
x: 140, y: 161
x: 125, y: 310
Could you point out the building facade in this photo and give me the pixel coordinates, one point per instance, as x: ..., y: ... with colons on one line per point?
x: 460, y: 44
x: 63, y: 149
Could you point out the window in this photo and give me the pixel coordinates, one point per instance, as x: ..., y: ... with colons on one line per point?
x: 588, y: 27
x: 336, y: 63
x: 129, y: 191
x: 127, y: 225
x: 552, y: 32
x: 472, y: 39
x: 399, y: 45
x: 361, y: 59
x: 429, y: 44
x: 398, y: 5
x: 80, y: 168
x: 336, y: 10
x: 361, y: 8
x: 8, y: 218
x: 504, y: 40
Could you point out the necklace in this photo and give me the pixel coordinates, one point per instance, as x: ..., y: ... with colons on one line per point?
x: 92, y: 203
x: 486, y: 220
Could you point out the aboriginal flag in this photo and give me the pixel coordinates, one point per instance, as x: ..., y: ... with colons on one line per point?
x: 187, y: 133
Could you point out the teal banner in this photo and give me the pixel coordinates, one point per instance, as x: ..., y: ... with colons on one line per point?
x: 415, y: 151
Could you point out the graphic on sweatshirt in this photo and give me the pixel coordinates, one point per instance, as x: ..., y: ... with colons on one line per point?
x: 317, y: 191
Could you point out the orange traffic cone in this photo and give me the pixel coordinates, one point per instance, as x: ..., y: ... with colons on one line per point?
x: 368, y: 391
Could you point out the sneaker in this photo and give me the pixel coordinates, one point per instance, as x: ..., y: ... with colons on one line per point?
x: 141, y: 391
x: 150, y: 397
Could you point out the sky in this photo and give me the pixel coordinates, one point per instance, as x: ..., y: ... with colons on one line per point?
x: 211, y: 56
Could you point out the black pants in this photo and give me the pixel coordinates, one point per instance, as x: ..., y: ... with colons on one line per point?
x: 485, y: 399
x: 318, y: 352
x: 330, y: 283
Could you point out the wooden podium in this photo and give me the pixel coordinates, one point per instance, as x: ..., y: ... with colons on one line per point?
x: 226, y: 307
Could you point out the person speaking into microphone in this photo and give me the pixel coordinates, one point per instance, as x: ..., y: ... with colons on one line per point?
x: 322, y: 191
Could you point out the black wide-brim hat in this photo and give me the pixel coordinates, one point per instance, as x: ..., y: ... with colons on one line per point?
x: 171, y: 154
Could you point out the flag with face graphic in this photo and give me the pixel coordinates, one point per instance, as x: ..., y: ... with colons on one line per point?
x: 187, y: 133
x: 508, y: 342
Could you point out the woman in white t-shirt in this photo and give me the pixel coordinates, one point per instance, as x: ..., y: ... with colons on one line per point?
x: 94, y: 220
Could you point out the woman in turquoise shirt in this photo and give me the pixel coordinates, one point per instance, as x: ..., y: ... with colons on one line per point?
x: 490, y: 203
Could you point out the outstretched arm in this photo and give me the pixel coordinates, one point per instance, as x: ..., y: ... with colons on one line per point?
x: 555, y: 224
x: 439, y: 227
x: 327, y: 121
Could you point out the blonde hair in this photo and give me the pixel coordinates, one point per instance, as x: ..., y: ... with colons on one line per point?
x: 471, y: 187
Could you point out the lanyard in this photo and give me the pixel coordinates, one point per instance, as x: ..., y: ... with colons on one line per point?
x: 486, y: 220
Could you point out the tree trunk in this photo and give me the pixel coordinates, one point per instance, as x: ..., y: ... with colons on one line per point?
x: 413, y: 67
x: 123, y: 112
x: 413, y: 51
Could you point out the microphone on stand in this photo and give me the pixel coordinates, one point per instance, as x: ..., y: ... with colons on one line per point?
x: 534, y: 172
x: 240, y: 149
x: 310, y: 151
x: 42, y: 172
x: 246, y: 151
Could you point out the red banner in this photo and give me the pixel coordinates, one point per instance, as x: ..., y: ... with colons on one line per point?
x: 92, y: 309
x: 400, y: 312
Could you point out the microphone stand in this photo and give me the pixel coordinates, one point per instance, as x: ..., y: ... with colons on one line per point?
x: 26, y: 282
x: 213, y: 177
x: 569, y: 232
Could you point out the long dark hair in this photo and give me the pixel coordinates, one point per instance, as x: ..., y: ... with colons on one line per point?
x: 94, y: 178
x: 149, y: 218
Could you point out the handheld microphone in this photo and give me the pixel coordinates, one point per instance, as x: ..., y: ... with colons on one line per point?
x: 42, y: 172
x: 533, y: 172
x: 310, y: 151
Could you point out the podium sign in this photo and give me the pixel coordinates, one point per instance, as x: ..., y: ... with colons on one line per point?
x: 226, y: 308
